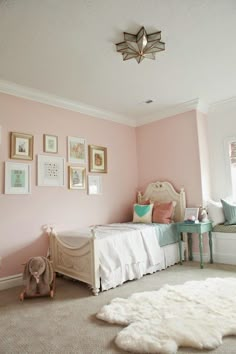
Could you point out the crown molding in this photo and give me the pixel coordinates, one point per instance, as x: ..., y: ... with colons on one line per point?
x: 56, y: 101
x: 187, y: 106
x: 52, y: 100
x: 221, y: 104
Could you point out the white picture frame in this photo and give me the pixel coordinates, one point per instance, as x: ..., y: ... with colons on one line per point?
x: 94, y: 185
x: 76, y: 150
x: 17, y: 178
x: 191, y: 214
x: 51, y: 171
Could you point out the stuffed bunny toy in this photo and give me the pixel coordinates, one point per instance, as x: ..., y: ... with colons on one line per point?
x: 38, y: 275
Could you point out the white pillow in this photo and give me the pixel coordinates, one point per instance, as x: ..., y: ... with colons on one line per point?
x: 215, y: 212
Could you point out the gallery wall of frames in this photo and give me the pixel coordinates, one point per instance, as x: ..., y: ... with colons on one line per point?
x: 85, y: 164
x: 59, y: 167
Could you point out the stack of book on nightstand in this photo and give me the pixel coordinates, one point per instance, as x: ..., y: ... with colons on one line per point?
x: 191, y: 221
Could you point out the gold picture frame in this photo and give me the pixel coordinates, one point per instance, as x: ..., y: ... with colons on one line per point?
x: 76, y: 177
x: 50, y: 143
x: 21, y: 146
x: 97, y: 159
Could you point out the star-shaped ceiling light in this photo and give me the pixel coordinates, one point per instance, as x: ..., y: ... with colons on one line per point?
x: 141, y: 45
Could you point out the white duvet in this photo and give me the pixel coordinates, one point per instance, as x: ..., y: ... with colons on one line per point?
x: 125, y: 250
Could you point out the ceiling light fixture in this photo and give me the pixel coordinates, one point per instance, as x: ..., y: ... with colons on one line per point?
x: 141, y: 45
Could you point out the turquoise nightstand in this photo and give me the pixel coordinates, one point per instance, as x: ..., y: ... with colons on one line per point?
x: 198, y: 228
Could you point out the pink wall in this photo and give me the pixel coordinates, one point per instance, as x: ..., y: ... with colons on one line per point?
x: 174, y: 149
x: 168, y: 150
x: 22, y: 216
x: 204, y: 156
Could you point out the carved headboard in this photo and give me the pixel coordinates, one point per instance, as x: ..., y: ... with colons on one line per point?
x: 165, y: 192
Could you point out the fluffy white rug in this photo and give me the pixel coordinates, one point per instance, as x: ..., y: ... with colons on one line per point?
x: 196, y: 314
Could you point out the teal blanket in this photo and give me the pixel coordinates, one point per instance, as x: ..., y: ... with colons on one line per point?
x: 166, y: 233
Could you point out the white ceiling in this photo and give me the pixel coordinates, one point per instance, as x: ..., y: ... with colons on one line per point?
x: 67, y: 49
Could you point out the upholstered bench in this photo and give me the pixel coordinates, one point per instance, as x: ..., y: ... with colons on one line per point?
x: 224, y: 244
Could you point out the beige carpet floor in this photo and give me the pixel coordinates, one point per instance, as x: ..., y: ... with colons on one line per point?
x: 67, y: 323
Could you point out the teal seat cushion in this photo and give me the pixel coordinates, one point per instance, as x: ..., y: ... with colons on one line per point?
x: 229, y: 212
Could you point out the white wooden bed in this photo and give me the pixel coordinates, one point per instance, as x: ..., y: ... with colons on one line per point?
x: 78, y: 253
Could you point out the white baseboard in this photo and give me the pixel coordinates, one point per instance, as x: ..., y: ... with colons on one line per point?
x: 205, y: 257
x: 224, y: 258
x: 11, y: 282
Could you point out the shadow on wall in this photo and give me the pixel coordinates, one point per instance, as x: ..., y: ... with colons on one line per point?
x: 12, y: 263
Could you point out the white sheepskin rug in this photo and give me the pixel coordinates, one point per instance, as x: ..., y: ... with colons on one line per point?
x: 196, y: 314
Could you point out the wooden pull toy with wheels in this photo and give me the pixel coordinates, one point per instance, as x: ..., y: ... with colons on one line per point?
x: 39, y: 278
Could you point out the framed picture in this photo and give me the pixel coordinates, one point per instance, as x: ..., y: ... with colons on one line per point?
x: 94, y: 184
x: 51, y: 171
x: 76, y: 177
x: 21, y: 146
x: 191, y: 214
x: 97, y: 159
x: 76, y: 150
x: 17, y: 178
x: 50, y: 143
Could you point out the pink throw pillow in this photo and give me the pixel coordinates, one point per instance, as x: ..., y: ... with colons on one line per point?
x: 162, y: 212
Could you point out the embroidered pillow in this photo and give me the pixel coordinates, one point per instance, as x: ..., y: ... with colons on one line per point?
x: 229, y: 212
x: 162, y: 212
x: 142, y: 213
x: 215, y: 212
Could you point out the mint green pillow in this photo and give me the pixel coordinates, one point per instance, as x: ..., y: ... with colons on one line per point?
x: 229, y: 212
x: 142, y: 213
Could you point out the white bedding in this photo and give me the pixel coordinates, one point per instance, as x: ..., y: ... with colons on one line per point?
x: 105, y: 262
x: 126, y: 251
